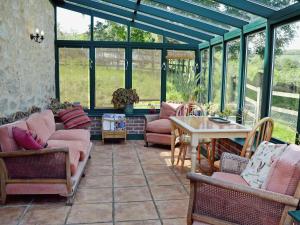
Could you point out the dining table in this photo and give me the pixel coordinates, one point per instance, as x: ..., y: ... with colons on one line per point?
x: 200, y: 127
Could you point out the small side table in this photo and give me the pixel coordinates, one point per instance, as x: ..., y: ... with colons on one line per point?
x: 113, y: 126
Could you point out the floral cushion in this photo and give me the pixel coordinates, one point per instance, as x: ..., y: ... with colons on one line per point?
x: 259, y: 165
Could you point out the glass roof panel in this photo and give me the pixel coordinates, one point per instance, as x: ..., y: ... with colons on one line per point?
x: 222, y: 8
x: 184, y: 13
x: 275, y: 4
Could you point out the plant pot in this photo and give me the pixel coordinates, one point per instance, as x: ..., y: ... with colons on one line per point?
x: 128, y: 109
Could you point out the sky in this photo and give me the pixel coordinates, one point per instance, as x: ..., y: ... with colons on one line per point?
x: 73, y: 22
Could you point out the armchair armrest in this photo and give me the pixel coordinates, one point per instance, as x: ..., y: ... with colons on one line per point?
x: 49, y: 163
x: 231, y: 163
x: 151, y: 117
x: 233, y: 203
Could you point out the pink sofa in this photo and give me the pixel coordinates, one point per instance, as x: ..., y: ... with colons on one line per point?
x: 158, y: 126
x: 54, y: 170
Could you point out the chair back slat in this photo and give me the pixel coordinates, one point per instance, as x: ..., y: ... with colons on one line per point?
x: 262, y: 131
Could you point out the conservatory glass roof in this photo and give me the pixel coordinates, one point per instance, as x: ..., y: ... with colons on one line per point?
x: 189, y: 21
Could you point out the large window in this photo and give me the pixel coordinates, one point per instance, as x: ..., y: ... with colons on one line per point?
x: 254, y: 73
x: 74, y: 75
x: 232, y: 74
x: 110, y: 74
x: 204, y: 71
x: 216, y: 74
x: 72, y: 25
x: 181, y: 83
x: 286, y: 81
x: 146, y: 76
x: 106, y: 30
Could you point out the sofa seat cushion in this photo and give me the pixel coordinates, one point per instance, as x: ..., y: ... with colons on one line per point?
x: 168, y: 109
x: 164, y: 139
x: 75, y: 151
x: 73, y: 134
x: 161, y: 126
x: 259, y: 165
x: 7, y: 141
x: 73, y: 145
x: 229, y: 177
x: 284, y: 174
x: 42, y: 124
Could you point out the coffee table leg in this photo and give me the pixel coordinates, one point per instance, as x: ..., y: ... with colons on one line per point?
x: 172, y: 144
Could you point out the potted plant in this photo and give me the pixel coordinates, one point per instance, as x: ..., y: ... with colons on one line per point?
x: 124, y: 99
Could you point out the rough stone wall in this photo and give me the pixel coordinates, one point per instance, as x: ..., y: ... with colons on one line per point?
x: 27, y: 69
x: 134, y: 125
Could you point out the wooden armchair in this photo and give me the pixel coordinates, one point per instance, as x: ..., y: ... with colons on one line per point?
x: 215, y: 201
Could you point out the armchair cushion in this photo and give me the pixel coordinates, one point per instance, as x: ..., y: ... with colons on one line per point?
x: 229, y: 177
x: 168, y: 109
x: 231, y: 163
x: 285, y: 172
x: 161, y: 126
x: 7, y: 141
x: 259, y: 165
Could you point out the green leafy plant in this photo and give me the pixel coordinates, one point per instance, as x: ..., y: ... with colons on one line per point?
x: 55, y: 105
x: 123, y: 97
x: 226, y: 112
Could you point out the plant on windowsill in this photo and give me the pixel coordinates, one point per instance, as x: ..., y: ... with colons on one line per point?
x: 124, y: 99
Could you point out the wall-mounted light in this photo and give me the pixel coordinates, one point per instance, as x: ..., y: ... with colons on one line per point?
x: 37, y: 37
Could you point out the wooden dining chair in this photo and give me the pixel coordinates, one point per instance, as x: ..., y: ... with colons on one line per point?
x: 262, y: 131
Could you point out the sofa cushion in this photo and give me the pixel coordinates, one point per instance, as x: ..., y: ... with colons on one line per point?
x: 259, y: 165
x: 7, y: 141
x: 161, y: 126
x: 74, y: 161
x: 73, y: 145
x: 168, y: 109
x: 39, y: 123
x: 284, y: 174
x: 27, y: 139
x: 73, y: 134
x: 229, y: 177
x: 49, y: 120
x: 74, y: 118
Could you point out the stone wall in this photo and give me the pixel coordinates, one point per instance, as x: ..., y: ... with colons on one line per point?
x: 27, y: 71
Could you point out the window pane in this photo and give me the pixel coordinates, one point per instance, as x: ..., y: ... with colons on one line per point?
x: 110, y: 74
x: 217, y: 74
x: 232, y: 75
x: 174, y: 41
x: 203, y: 98
x: 137, y: 35
x: 254, y: 73
x: 72, y: 25
x: 286, y: 82
x: 146, y: 76
x: 74, y: 75
x: 276, y: 4
x: 180, y: 75
x: 106, y: 30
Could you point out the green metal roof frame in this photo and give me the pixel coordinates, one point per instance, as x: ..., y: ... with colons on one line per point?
x: 182, y: 27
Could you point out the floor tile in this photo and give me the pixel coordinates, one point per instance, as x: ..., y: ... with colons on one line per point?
x: 128, y: 169
x: 46, y: 215
x: 10, y: 215
x: 93, y: 195
x: 128, y: 181
x: 90, y: 213
x: 180, y: 221
x: 96, y: 182
x: 169, y: 192
x: 156, y: 169
x: 162, y: 179
x: 99, y: 170
x: 135, y: 211
x: 172, y: 208
x: 132, y: 194
x: 144, y: 222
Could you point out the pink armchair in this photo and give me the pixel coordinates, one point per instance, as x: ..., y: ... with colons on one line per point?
x: 226, y: 198
x: 158, y: 126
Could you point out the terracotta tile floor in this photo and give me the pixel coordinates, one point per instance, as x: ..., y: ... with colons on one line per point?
x: 125, y: 184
